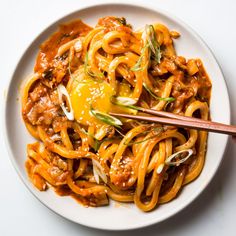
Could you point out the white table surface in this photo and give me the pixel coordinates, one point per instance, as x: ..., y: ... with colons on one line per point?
x: 213, y: 213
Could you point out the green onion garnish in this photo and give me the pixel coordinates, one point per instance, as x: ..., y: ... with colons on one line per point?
x: 137, y: 66
x: 121, y: 20
x: 169, y: 161
x: 105, y: 118
x: 97, y: 143
x: 126, y: 101
x: 144, y: 140
x: 118, y: 131
x: 153, y: 43
x: 119, y: 103
x: 168, y: 99
x: 88, y: 72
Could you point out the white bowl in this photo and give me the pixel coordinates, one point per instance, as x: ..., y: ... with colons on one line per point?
x: 126, y: 216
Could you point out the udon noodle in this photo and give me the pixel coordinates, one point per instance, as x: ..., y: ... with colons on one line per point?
x: 83, y: 73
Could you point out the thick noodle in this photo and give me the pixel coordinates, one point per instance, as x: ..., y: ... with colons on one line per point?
x: 90, y: 159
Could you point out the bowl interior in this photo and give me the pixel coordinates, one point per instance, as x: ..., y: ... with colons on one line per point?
x: 119, y: 216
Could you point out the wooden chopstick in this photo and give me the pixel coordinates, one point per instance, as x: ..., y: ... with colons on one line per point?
x: 174, y: 116
x: 181, y: 121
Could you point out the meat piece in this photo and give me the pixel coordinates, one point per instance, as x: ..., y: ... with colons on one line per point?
x: 38, y: 92
x: 43, y: 106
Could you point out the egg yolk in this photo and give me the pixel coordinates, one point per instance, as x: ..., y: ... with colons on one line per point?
x: 87, y: 95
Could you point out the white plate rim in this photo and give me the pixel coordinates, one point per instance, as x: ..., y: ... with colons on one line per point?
x: 124, y: 3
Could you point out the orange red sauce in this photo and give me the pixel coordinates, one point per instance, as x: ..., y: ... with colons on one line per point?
x: 49, y: 48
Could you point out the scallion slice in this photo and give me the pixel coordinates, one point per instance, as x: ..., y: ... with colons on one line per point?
x: 61, y: 90
x: 119, y: 103
x: 153, y: 43
x: 105, y: 118
x: 176, y: 163
x: 168, y: 99
x: 125, y: 101
x: 98, y: 171
x: 159, y: 130
x: 88, y: 72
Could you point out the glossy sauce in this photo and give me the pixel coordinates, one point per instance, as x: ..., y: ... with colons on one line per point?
x: 66, y: 33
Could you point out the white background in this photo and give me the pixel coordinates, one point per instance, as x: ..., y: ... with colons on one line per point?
x: 213, y: 213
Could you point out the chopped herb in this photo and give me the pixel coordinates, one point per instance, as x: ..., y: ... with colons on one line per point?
x: 97, y: 143
x: 68, y: 110
x: 121, y: 20
x: 88, y: 72
x: 153, y: 43
x: 115, y: 102
x: 144, y: 140
x: 137, y: 66
x: 154, y: 47
x: 178, y: 156
x: 119, y: 133
x: 135, y: 107
x: 105, y: 118
x: 85, y: 132
x: 124, y: 100
x: 168, y: 99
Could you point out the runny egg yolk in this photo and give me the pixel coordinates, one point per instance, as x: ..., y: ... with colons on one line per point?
x: 90, y: 94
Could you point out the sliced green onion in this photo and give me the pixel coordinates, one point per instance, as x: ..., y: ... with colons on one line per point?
x: 115, y: 102
x: 61, y: 90
x: 87, y: 71
x: 121, y: 20
x: 144, y: 140
x: 150, y: 35
x: 87, y: 133
x: 118, y: 131
x: 105, y: 118
x: 125, y: 101
x: 97, y: 143
x: 153, y: 43
x: 141, y: 141
x: 168, y: 99
x: 134, y: 107
x: 137, y: 66
x: 169, y: 161
x: 98, y: 171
